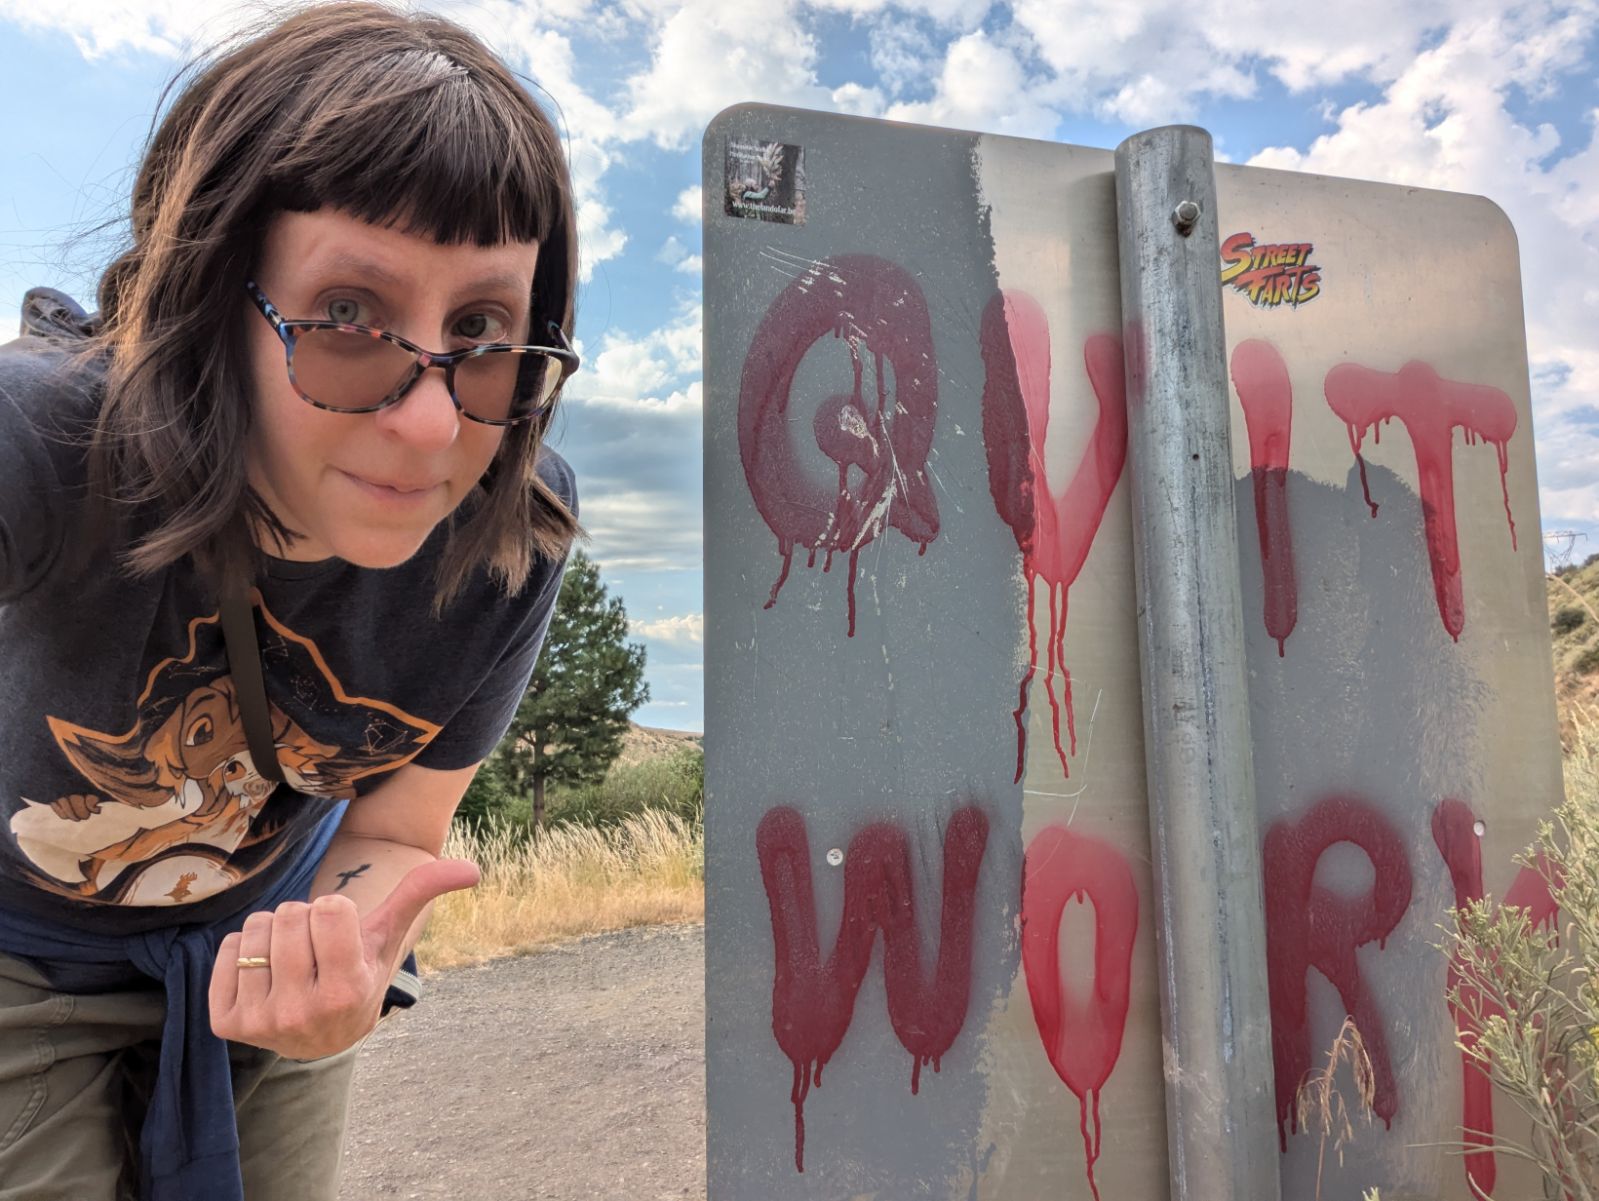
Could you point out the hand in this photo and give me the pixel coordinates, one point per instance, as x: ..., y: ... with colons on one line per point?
x: 330, y: 968
x: 77, y: 807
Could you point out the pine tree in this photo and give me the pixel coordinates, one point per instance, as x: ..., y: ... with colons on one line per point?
x: 589, y: 679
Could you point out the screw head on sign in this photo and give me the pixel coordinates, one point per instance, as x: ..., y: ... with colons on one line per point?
x: 1185, y: 216
x: 835, y: 857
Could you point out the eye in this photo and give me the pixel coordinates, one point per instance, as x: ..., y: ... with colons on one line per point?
x: 199, y: 732
x: 482, y: 327
x: 348, y: 311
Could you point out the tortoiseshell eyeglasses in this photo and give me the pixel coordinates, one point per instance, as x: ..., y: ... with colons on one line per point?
x: 357, y: 369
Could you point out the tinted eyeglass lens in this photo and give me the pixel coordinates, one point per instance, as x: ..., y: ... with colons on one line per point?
x: 340, y: 369
x: 501, y: 384
x: 344, y: 370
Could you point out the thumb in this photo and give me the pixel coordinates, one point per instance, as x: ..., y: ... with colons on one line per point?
x: 389, y: 922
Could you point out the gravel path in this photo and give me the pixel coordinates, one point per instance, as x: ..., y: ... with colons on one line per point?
x: 574, y: 1073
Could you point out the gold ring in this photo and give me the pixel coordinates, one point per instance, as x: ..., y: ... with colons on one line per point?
x: 254, y: 961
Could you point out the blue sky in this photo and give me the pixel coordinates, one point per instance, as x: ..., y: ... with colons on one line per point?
x: 1486, y: 97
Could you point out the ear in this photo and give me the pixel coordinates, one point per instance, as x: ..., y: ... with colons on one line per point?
x: 164, y: 748
x: 121, y: 768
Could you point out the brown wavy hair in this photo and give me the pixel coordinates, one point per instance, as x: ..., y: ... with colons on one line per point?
x: 399, y: 119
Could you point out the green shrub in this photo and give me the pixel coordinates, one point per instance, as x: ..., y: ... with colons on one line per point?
x: 491, y: 799
x: 1586, y: 663
x: 674, y: 784
x: 1568, y: 619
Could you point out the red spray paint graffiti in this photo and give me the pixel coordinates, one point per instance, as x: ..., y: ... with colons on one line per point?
x: 1431, y: 408
x: 876, y: 309
x: 1053, y: 530
x: 1308, y: 926
x: 1267, y: 397
x: 1454, y: 830
x: 813, y: 1002
x: 1082, y: 1036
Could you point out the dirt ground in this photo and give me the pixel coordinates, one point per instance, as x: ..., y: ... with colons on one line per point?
x: 577, y: 1072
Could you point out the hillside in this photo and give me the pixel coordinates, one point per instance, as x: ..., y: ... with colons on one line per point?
x: 1574, y: 627
x: 641, y: 743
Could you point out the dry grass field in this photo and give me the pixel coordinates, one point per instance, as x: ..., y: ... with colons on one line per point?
x: 626, y: 852
x: 565, y: 882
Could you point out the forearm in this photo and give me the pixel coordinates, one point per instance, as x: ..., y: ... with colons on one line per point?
x: 330, y: 961
x: 366, y: 869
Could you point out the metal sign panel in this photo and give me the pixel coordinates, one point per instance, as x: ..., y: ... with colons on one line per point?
x: 930, y: 962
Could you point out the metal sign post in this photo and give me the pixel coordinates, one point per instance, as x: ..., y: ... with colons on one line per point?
x: 1211, y: 931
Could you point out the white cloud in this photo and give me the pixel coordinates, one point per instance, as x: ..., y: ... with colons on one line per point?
x: 902, y: 53
x: 689, y: 205
x: 672, y: 252
x: 859, y: 101
x: 686, y: 628
x: 643, y: 530
x: 686, y: 402
x: 982, y: 85
x: 1147, y: 61
x: 167, y: 28
x: 656, y: 372
x: 708, y: 54
x: 691, y: 265
x: 960, y: 15
x: 1443, y: 123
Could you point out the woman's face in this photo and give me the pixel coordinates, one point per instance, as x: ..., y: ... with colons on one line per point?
x: 369, y: 487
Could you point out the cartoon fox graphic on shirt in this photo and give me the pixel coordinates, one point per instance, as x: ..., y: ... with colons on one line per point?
x: 174, y: 810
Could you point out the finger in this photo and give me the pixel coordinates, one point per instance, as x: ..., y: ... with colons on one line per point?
x: 224, y: 989
x: 255, y: 940
x: 388, y: 924
x: 336, y: 942
x: 71, y: 807
x: 293, y: 963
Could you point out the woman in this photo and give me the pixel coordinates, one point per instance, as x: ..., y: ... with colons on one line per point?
x: 285, y: 398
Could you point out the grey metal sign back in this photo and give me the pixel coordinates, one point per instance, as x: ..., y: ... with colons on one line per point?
x: 933, y: 887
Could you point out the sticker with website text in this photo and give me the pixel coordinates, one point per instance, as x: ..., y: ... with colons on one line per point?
x: 765, y: 181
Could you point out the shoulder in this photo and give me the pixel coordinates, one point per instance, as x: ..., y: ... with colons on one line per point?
x: 45, y: 376
x: 558, y: 476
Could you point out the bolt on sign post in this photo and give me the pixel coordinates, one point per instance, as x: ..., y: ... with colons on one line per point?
x: 951, y: 912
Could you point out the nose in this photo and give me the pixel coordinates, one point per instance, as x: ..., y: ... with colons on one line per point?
x: 425, y: 416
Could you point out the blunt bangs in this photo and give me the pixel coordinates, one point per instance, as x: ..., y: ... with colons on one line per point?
x: 421, y: 143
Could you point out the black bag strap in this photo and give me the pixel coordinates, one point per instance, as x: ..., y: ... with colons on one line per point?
x: 249, y: 686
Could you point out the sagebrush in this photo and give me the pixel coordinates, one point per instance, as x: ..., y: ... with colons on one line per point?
x: 1526, y: 993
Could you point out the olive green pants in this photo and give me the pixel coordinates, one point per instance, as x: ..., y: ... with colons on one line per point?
x: 75, y: 1076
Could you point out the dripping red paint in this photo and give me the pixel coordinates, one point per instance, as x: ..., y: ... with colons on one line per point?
x: 812, y: 1002
x: 1431, y: 409
x: 1082, y: 1037
x: 1454, y: 829
x: 1053, y: 530
x: 877, y: 438
x: 1264, y: 391
x: 1308, y: 926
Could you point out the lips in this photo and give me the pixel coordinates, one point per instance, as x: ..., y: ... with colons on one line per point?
x: 402, y: 487
x: 397, y: 496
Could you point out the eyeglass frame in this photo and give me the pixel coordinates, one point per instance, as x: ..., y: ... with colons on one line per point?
x: 288, y: 329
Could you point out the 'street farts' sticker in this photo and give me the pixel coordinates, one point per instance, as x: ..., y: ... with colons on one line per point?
x: 1270, y: 274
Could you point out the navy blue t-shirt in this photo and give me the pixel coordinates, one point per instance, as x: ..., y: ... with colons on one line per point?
x: 128, y: 798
